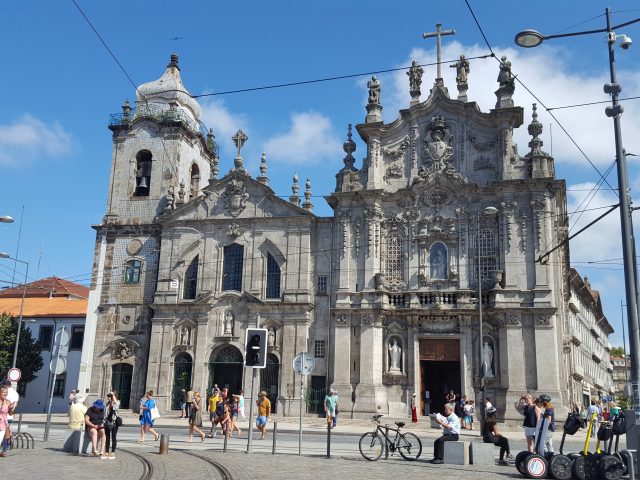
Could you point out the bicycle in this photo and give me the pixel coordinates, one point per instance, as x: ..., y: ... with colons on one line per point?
x: 372, y: 444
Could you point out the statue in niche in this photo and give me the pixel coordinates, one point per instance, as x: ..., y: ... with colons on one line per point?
x: 184, y: 336
x: 395, y: 356
x: 374, y: 90
x: 487, y: 359
x: 228, y: 323
x: 438, y: 262
x: 271, y: 338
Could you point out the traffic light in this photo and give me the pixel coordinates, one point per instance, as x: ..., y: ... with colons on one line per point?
x: 255, y: 348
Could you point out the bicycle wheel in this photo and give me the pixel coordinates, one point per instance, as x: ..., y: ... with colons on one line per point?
x: 371, y: 446
x: 409, y: 446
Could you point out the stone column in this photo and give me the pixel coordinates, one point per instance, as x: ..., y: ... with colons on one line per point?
x: 511, y: 257
x: 295, y: 333
x: 543, y: 270
x: 371, y: 396
x: 512, y: 362
x: 200, y: 373
x: 342, y: 355
x: 467, y: 356
x: 343, y: 276
x: 159, y: 369
x: 547, y: 365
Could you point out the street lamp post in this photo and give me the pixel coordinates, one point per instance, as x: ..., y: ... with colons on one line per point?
x: 481, y: 362
x: 532, y: 38
x: 24, y: 293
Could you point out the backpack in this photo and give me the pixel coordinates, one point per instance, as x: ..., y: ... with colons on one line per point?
x: 572, y: 424
x: 605, y: 432
x: 619, y: 425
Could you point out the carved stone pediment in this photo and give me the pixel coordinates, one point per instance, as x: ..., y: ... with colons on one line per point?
x: 235, y: 197
x: 438, y: 153
x: 437, y: 225
x: 122, y: 349
x: 438, y: 324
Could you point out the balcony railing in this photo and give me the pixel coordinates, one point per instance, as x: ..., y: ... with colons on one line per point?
x: 159, y: 113
x: 438, y: 298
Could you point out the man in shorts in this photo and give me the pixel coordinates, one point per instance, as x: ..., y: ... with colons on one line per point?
x: 264, y: 413
x: 212, y: 406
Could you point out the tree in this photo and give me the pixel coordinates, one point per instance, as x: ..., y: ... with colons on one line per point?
x: 29, y: 359
x: 617, y: 352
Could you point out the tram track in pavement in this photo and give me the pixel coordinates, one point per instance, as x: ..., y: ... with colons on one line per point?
x: 226, y: 475
x: 148, y: 466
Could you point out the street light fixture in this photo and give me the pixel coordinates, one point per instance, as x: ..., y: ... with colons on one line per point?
x: 488, y: 211
x: 6, y: 219
x: 24, y: 293
x: 532, y: 38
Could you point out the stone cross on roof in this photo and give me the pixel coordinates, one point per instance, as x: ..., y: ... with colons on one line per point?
x: 240, y: 138
x: 438, y: 34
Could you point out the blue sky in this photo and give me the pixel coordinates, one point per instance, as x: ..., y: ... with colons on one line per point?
x: 60, y: 85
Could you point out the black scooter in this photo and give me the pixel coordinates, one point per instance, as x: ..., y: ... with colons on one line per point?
x: 534, y: 465
x: 613, y: 466
x: 560, y: 465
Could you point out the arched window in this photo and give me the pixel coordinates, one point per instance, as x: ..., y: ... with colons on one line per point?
x: 273, y: 277
x: 232, y: 270
x: 143, y: 173
x: 486, y: 249
x: 195, y: 181
x: 132, y: 271
x: 393, y: 256
x: 438, y: 261
x: 191, y: 280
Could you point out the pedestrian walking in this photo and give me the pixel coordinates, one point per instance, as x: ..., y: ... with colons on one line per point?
x: 212, y: 408
x: 195, y: 417
x: 330, y: 407
x: 593, y: 410
x: 450, y: 432
x: 235, y: 409
x: 225, y: 422
x: 189, y: 400
x: 490, y: 434
x: 583, y: 416
x: 112, y: 422
x: 183, y: 403
x: 264, y: 414
x: 241, y: 404
x: 468, y: 414
x: 146, y: 421
x: 414, y: 409
x: 94, y: 426
x: 6, y: 409
x: 549, y: 415
x: 335, y: 416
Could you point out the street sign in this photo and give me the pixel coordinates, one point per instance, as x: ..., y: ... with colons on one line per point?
x: 58, y: 365
x: 61, y: 343
x: 14, y: 374
x: 303, y: 363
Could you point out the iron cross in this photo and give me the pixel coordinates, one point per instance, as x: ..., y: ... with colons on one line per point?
x: 438, y: 34
x: 239, y: 139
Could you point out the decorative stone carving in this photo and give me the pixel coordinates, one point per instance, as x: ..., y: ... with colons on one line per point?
x: 357, y: 232
x: 123, y: 350
x: 235, y: 197
x: 228, y: 323
x: 437, y: 197
x: 366, y: 320
x: 512, y: 319
x: 415, y: 80
x: 462, y: 77
x: 507, y: 86
x: 342, y: 319
x: 134, y: 247
x: 496, y: 276
x: 233, y: 230
x: 437, y: 226
x: 482, y: 145
x: 393, y: 171
x: 487, y: 359
x: 171, y: 199
x: 438, y: 324
x: 438, y: 152
x: 395, y: 356
x: 483, y: 163
x: 398, y: 152
x: 374, y: 87
x: 543, y: 320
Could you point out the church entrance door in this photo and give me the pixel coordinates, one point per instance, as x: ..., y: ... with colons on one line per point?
x: 439, y: 372
x: 182, y: 366
x: 269, y: 377
x: 121, y: 374
x: 225, y: 368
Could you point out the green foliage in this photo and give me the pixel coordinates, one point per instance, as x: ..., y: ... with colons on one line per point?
x: 617, y: 352
x: 623, y: 403
x: 29, y: 355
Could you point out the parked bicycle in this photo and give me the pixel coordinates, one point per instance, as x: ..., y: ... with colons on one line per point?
x: 372, y: 444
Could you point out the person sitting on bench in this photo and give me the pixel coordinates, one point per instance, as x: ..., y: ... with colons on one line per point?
x: 450, y: 432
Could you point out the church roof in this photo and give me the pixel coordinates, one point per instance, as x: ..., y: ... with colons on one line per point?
x: 169, y: 89
x: 48, y: 287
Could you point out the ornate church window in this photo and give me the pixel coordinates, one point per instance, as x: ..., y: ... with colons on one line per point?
x: 393, y: 257
x: 143, y: 173
x: 132, y: 271
x: 438, y: 261
x: 195, y: 181
x: 486, y: 248
x: 191, y: 280
x: 232, y: 271
x: 273, y: 277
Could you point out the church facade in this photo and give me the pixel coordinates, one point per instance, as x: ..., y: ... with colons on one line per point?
x: 444, y: 223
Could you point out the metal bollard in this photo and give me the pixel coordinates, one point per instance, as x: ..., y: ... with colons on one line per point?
x: 224, y: 445
x: 628, y: 454
x: 275, y: 434
x: 328, y: 440
x: 164, y: 444
x: 386, y: 443
x: 19, y: 422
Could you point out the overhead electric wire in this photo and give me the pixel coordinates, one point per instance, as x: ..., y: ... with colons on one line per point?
x: 586, y: 104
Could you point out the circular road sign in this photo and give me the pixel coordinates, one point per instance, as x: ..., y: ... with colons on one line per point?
x: 14, y: 374
x: 58, y: 365
x: 303, y: 363
x: 63, y: 337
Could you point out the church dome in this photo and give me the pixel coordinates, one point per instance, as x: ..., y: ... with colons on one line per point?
x: 169, y: 89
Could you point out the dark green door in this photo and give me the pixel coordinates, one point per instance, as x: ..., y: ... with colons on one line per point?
x: 182, y: 368
x: 269, y: 377
x: 225, y: 369
x: 121, y: 374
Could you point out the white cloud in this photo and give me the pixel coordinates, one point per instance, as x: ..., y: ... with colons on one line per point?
x: 225, y: 124
x: 310, y: 140
x: 29, y: 138
x: 547, y: 73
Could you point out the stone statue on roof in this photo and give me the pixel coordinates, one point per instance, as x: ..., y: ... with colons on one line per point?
x: 505, y: 77
x: 462, y: 70
x: 374, y: 90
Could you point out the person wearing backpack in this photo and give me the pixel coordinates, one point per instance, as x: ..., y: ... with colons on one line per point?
x: 111, y: 424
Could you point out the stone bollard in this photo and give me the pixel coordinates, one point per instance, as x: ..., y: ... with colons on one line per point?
x: 164, y: 444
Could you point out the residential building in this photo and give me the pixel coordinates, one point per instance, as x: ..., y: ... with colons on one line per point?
x: 620, y: 374
x: 49, y: 304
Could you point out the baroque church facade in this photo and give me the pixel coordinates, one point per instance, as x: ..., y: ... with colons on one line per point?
x: 384, y: 294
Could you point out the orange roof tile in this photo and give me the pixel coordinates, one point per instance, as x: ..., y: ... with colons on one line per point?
x: 48, y: 287
x: 44, y: 307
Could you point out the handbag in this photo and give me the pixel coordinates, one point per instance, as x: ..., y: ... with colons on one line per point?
x: 154, y: 413
x: 118, y: 421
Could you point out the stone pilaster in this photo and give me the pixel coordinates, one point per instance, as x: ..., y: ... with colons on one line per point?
x: 371, y: 395
x: 342, y: 355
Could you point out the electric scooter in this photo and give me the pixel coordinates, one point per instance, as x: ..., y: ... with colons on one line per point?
x: 586, y: 466
x: 560, y: 465
x: 613, y: 466
x: 534, y: 465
